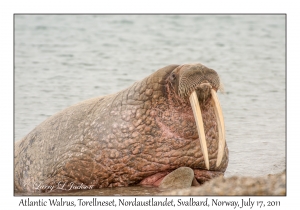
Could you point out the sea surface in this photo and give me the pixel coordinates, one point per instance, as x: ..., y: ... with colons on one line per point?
x: 60, y: 60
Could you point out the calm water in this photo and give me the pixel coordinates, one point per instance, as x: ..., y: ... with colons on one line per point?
x: 63, y: 59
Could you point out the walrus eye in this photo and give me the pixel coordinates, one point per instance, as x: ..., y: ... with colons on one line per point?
x: 173, y: 77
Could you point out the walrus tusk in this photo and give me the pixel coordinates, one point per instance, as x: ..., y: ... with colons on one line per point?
x: 199, y: 122
x: 221, y: 126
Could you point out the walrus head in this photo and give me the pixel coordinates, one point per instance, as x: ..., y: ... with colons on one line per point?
x: 199, y: 84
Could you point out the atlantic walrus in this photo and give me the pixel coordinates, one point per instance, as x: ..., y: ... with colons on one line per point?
x: 135, y: 136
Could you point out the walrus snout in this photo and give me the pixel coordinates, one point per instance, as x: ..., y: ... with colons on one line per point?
x: 197, y: 76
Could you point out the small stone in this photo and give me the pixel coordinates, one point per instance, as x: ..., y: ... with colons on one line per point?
x: 179, y: 178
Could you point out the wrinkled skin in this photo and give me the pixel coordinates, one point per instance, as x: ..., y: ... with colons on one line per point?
x: 124, y: 138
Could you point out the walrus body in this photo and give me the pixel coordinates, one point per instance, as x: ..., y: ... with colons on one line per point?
x: 137, y: 135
